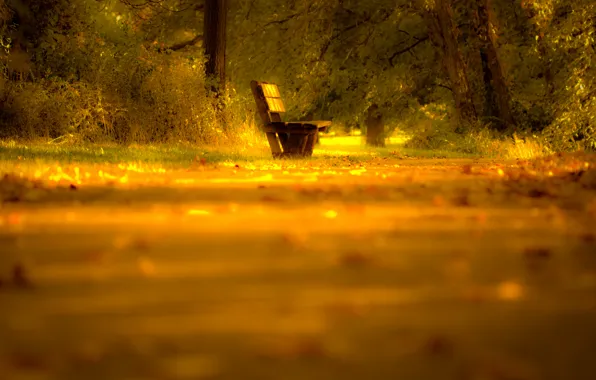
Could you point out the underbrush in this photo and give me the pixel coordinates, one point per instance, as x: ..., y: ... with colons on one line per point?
x: 102, y: 91
x: 478, y: 141
x: 168, y: 109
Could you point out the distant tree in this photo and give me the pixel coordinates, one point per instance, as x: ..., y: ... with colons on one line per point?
x: 375, y: 129
x: 443, y: 32
x: 215, y: 23
x: 496, y: 109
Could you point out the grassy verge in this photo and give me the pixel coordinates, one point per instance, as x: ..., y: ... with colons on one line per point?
x: 183, y: 155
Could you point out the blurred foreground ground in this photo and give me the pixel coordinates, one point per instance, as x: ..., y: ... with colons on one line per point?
x: 387, y: 268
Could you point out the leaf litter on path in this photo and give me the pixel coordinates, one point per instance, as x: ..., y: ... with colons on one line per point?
x: 226, y: 266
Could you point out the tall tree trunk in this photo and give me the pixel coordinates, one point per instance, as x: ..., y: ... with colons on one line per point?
x: 214, y: 32
x: 443, y: 33
x: 375, y: 128
x: 497, y: 100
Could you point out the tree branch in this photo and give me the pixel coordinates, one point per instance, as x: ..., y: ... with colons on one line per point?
x: 182, y: 45
x: 282, y: 21
x: 407, y: 49
x: 443, y: 86
x: 335, y: 36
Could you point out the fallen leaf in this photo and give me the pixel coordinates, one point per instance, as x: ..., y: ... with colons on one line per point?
x: 304, y: 348
x: 588, y: 179
x: 481, y: 218
x: 537, y: 253
x: 146, y: 266
x: 457, y: 268
x: 89, y: 353
x: 536, y: 257
x: 438, y: 201
x: 439, y: 345
x: 538, y: 193
x: 355, y: 259
x: 358, y: 209
x: 588, y: 237
x: 271, y: 199
x: 28, y: 362
x: 462, y: 200
x: 476, y: 294
x: 190, y: 366
x: 141, y: 244
x: 95, y: 257
x: 20, y: 278
x: 295, y: 239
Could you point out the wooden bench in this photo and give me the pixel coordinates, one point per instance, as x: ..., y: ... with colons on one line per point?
x: 286, y: 138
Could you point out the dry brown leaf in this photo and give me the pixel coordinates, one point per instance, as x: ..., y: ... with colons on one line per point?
x: 536, y: 257
x: 20, y: 277
x: 355, y: 259
x: 301, y: 348
x: 28, y: 362
x: 271, y: 199
x: 462, y: 200
x: 539, y: 253
x: 588, y: 237
x: 439, y: 345
x: 439, y: 201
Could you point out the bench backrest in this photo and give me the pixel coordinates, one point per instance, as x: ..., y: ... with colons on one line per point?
x: 269, y: 102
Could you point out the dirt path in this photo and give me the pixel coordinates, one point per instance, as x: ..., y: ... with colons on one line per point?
x: 392, y: 269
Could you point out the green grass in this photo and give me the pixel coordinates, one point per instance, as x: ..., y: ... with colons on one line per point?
x: 182, y: 155
x: 354, y: 146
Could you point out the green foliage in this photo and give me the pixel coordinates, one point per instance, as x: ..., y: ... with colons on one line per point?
x: 102, y: 74
x: 571, y: 39
x: 132, y: 70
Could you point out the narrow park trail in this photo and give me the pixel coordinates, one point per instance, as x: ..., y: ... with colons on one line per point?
x: 390, y: 268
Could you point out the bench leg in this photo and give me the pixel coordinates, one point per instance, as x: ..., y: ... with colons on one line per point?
x: 310, y: 142
x: 283, y: 139
x: 292, y: 145
x: 274, y: 144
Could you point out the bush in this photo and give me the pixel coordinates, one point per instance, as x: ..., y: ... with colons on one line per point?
x: 152, y: 97
x: 97, y: 78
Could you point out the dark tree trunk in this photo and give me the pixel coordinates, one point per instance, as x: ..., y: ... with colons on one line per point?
x: 443, y: 33
x: 496, y: 93
x: 375, y: 128
x: 214, y: 32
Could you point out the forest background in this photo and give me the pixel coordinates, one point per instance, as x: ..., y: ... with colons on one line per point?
x: 464, y: 75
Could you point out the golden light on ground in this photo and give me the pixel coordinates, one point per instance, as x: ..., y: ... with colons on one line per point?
x: 146, y: 266
x: 510, y: 291
x: 198, y: 213
x: 330, y: 214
